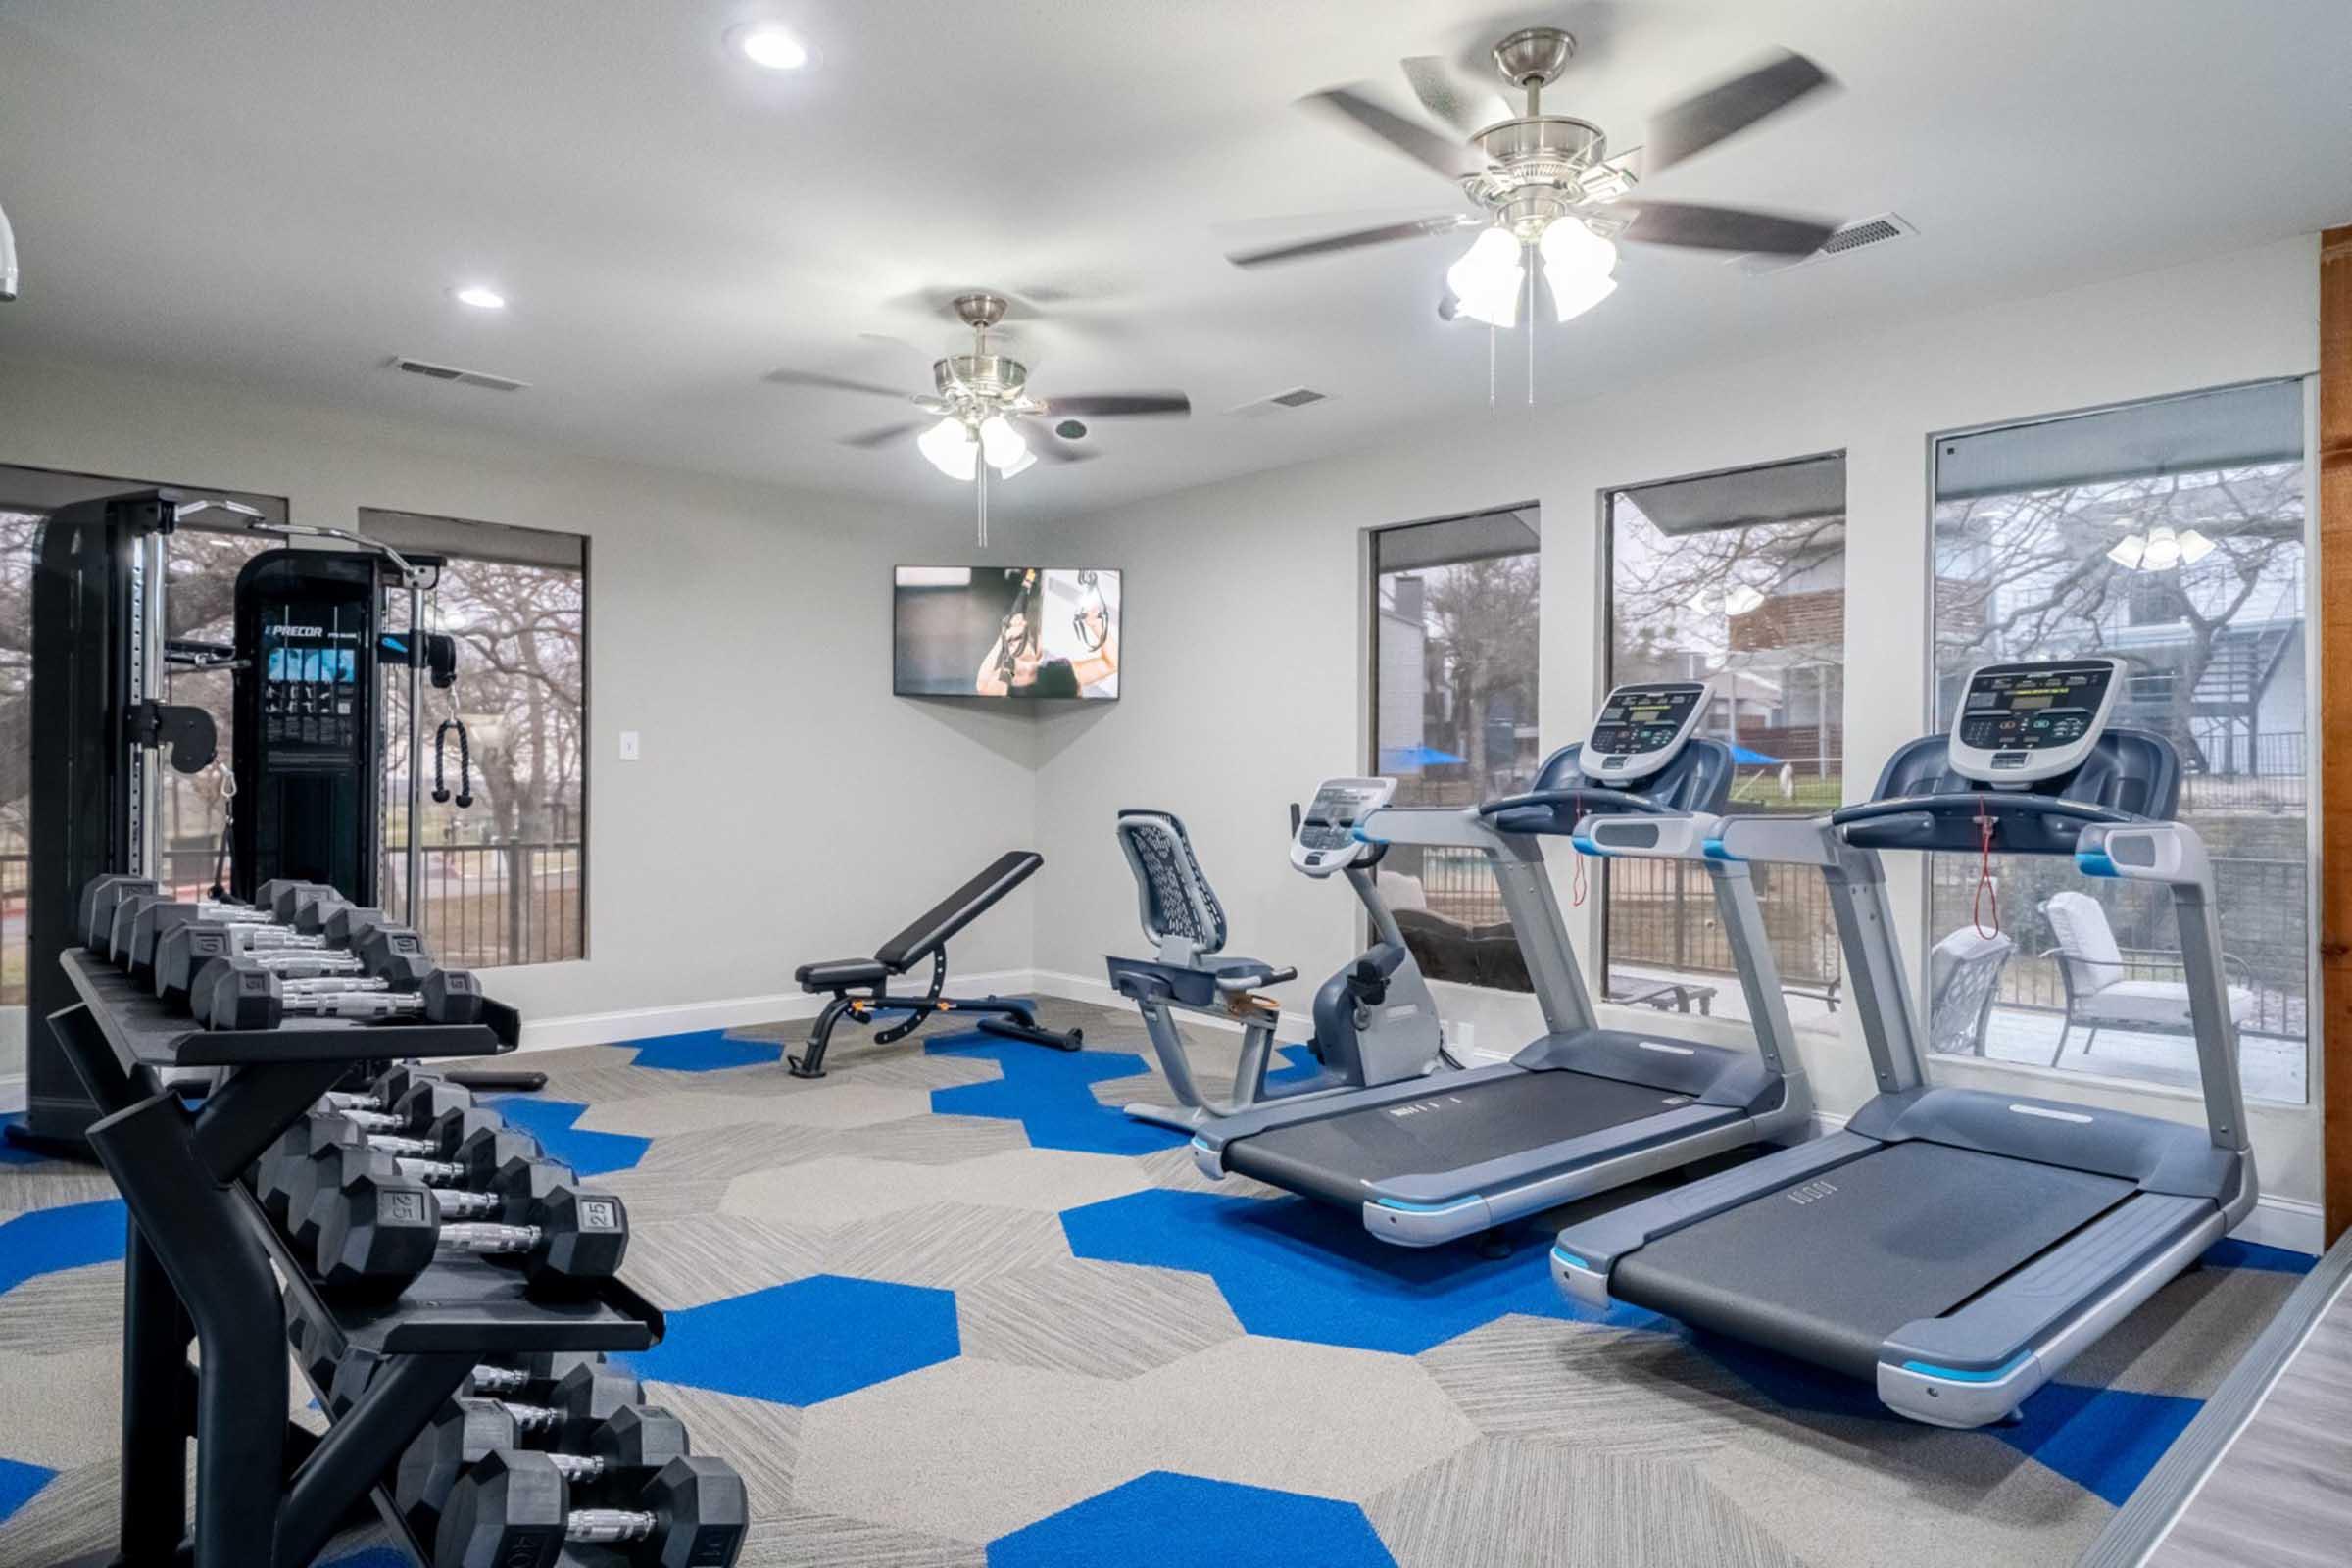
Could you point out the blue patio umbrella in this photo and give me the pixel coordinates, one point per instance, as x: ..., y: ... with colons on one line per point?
x: 1413, y: 758
x: 1747, y: 759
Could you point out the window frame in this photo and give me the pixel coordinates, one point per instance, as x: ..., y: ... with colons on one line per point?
x: 1368, y: 601
x: 367, y: 513
x: 2040, y: 1077
x: 1604, y: 663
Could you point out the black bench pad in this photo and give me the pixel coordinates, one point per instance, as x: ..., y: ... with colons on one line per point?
x: 835, y: 974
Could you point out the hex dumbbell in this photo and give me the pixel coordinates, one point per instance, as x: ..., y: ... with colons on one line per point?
x: 466, y: 1190
x: 377, y: 1232
x: 186, y: 951
x: 470, y: 1428
x: 388, y: 958
x: 531, y: 1378
x: 513, y: 1511
x: 443, y: 1138
x: 255, y: 999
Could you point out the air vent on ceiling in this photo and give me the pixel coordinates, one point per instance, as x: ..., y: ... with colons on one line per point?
x: 1854, y: 236
x: 1298, y: 397
x: 450, y: 372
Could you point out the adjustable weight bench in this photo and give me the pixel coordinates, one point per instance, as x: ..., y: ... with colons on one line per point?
x: 860, y: 987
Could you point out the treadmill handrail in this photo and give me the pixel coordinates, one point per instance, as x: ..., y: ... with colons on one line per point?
x: 1970, y: 803
x: 1636, y: 805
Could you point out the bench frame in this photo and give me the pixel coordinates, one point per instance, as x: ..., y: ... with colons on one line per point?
x: 865, y: 1000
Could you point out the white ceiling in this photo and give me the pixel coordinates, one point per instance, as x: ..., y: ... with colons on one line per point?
x: 280, y: 194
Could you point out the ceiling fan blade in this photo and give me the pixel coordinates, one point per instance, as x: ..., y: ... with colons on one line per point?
x: 832, y: 383
x: 1299, y: 250
x: 1704, y: 119
x: 1724, y: 228
x: 1446, y: 93
x: 1441, y: 156
x: 1111, y: 405
x: 881, y: 435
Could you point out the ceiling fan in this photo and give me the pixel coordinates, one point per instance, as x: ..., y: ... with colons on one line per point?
x: 979, y: 400
x: 1550, y: 183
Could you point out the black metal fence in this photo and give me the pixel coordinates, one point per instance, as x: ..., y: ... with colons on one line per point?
x: 1661, y: 915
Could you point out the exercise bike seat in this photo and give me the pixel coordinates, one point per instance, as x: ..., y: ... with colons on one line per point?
x: 1203, y: 985
x: 833, y: 974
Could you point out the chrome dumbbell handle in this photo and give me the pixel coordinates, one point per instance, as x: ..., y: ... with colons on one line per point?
x: 489, y: 1240
x: 593, y: 1525
x: 457, y: 1205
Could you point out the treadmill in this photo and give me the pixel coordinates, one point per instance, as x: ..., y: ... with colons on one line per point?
x: 1581, y: 1108
x: 1958, y: 1246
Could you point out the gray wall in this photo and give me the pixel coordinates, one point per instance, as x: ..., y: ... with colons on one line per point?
x: 1257, y: 690
x: 787, y: 807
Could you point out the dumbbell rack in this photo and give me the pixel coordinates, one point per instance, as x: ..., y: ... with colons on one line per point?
x: 202, y: 1261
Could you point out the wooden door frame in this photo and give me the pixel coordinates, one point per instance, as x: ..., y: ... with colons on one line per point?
x: 2333, y: 450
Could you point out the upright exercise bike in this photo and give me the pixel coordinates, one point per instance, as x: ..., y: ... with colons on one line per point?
x: 1375, y: 1021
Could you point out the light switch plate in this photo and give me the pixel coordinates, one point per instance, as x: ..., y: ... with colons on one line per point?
x: 628, y: 746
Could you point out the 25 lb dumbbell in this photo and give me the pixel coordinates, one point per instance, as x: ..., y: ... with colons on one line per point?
x: 251, y: 999
x: 445, y: 1138
x: 380, y: 1232
x: 513, y: 1511
x: 470, y: 1428
x: 468, y: 1190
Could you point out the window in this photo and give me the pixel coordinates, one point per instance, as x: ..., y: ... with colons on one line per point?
x: 503, y: 880
x: 2170, y: 535
x: 1454, y: 621
x: 1738, y: 579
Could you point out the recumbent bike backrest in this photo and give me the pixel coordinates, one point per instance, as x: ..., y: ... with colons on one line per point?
x: 1178, y: 907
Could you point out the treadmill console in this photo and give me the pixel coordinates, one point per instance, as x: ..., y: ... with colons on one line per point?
x: 1326, y: 840
x: 2022, y: 722
x: 1640, y: 729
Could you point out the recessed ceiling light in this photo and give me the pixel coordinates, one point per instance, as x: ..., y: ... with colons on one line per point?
x: 480, y: 298
x: 767, y: 45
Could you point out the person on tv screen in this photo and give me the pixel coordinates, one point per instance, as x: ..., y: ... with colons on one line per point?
x: 1018, y: 664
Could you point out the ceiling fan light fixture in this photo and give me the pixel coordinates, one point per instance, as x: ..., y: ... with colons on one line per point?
x: 950, y: 448
x: 1573, y: 294
x: 2163, y: 552
x: 1568, y: 246
x: 1487, y: 280
x: 1002, y: 447
x: 2128, y: 553
x: 2195, y: 547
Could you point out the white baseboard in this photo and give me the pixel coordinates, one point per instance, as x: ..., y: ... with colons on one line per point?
x: 2289, y: 1222
x: 731, y: 1012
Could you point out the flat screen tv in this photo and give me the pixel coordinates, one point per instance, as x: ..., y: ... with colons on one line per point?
x: 1006, y: 632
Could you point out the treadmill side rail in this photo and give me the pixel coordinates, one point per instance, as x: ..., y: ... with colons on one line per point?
x: 1680, y: 1137
x: 1959, y: 1396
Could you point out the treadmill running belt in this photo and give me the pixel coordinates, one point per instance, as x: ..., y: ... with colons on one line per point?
x: 1332, y: 1158
x: 1826, y: 1269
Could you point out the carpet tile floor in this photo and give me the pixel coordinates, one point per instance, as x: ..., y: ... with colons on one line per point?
x: 948, y: 1305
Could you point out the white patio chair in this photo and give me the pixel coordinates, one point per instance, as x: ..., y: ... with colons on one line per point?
x: 2102, y: 991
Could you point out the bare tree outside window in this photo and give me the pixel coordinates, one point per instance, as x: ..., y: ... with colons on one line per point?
x: 1456, y: 619
x: 503, y: 878
x: 1757, y: 609
x: 2195, y: 574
